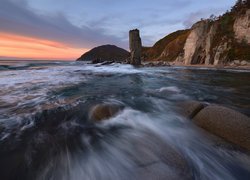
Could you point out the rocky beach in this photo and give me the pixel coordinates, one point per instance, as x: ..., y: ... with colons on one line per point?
x: 78, y: 121
x: 176, y: 110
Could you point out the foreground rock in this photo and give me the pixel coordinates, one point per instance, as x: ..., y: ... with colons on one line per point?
x: 157, y: 159
x: 223, y: 122
x: 226, y: 123
x: 135, y: 47
x: 105, y: 53
x: 102, y: 112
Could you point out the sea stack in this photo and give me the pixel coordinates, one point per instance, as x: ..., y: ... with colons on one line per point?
x: 135, y: 47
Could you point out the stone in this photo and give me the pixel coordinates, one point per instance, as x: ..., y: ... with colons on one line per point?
x: 158, y: 159
x: 190, y: 108
x: 104, y: 111
x: 225, y: 123
x: 135, y: 46
x: 231, y: 64
x: 237, y: 62
x: 243, y: 63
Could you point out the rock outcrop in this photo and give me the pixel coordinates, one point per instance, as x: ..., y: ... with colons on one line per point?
x: 105, y: 53
x: 195, y: 43
x: 135, y: 46
x: 242, y: 27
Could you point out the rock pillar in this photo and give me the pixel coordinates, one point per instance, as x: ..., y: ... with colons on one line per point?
x: 135, y: 47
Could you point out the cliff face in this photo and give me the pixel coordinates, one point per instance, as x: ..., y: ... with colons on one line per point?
x: 195, y: 44
x: 168, y: 48
x: 242, y: 27
x: 213, y: 41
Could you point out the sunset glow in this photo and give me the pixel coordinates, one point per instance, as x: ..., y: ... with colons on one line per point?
x: 16, y: 46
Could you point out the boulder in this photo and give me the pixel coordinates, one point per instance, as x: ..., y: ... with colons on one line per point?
x: 243, y: 63
x: 237, y: 62
x: 104, y: 111
x: 225, y: 123
x: 190, y: 108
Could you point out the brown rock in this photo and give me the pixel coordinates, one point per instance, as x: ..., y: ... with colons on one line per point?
x: 226, y: 123
x: 104, y: 111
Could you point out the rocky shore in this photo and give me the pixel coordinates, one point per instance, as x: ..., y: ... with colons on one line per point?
x: 230, y: 125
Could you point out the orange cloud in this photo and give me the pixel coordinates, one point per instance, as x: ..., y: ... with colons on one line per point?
x: 16, y: 46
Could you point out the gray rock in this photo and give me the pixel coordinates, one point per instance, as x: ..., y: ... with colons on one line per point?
x: 135, y: 47
x: 226, y: 123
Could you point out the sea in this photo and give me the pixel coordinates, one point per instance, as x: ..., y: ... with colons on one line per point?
x: 46, y: 131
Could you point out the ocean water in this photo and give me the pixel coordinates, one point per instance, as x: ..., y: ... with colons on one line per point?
x: 45, y: 131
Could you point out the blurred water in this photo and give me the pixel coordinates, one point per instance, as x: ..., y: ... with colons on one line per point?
x: 45, y: 132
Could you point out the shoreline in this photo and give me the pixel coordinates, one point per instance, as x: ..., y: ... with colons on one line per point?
x: 247, y: 67
x: 174, y: 64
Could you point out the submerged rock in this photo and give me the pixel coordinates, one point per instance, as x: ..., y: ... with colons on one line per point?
x: 226, y: 123
x: 157, y: 159
x: 104, y: 111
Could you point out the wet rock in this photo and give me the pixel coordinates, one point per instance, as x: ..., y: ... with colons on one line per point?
x: 226, y: 123
x: 190, y: 108
x: 107, y: 62
x: 104, y: 111
x: 158, y: 63
x: 96, y: 61
x: 135, y: 46
x: 157, y: 159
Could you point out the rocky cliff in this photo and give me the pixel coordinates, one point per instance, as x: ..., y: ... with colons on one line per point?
x: 214, y: 41
x: 105, y: 53
x: 168, y: 48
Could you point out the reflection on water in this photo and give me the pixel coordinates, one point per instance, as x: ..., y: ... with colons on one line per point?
x: 45, y: 131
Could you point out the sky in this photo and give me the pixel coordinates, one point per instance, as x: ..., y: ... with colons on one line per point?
x: 65, y: 29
